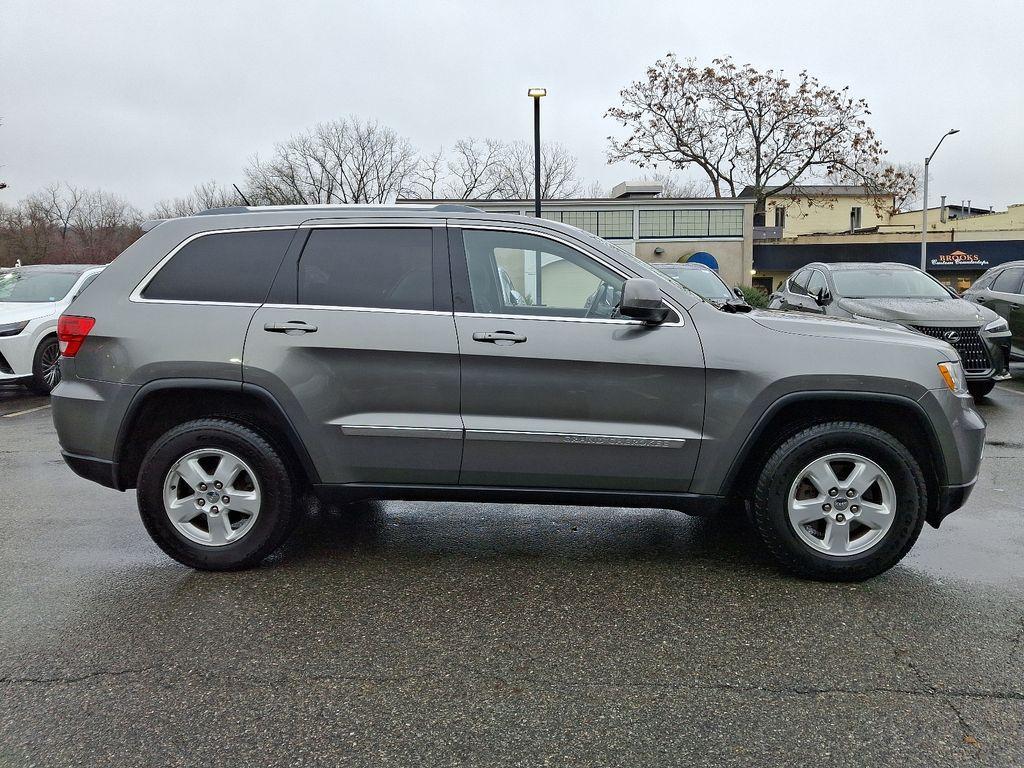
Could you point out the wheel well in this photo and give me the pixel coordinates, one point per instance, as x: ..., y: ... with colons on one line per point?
x: 164, y: 409
x: 905, y: 422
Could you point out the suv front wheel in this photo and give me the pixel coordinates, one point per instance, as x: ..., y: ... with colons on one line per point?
x: 840, y: 501
x: 215, y: 495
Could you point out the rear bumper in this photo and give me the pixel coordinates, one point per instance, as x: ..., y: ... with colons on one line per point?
x: 951, y: 498
x: 98, y: 470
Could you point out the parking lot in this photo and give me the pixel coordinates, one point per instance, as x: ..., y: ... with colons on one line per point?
x: 437, y: 634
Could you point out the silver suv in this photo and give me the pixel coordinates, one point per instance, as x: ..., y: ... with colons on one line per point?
x: 227, y: 364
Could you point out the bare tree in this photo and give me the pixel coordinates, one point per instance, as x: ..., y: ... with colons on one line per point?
x: 743, y: 127
x: 59, y: 203
x: 426, y: 179
x: 104, y: 224
x: 203, y: 196
x: 343, y: 161
x: 475, y: 169
x: 557, y: 172
x: 479, y: 169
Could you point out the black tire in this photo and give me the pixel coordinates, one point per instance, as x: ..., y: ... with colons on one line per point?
x: 277, y: 513
x: 980, y: 389
x: 771, y: 518
x: 40, y: 366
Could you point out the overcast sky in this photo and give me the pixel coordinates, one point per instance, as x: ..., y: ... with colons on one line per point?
x: 147, y: 99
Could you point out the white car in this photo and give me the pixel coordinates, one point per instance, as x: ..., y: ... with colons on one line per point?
x: 31, y: 300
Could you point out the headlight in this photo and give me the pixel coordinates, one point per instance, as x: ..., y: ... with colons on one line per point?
x: 13, y: 329
x: 953, y: 375
x: 999, y: 325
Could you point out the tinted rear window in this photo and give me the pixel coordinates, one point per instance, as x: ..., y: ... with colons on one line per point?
x: 378, y: 267
x: 235, y: 267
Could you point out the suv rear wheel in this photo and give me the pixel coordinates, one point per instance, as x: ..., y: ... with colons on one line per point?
x: 215, y: 495
x: 840, y: 501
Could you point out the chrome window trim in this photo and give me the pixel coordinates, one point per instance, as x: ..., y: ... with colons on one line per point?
x: 600, y: 259
x: 322, y: 307
x: 136, y: 295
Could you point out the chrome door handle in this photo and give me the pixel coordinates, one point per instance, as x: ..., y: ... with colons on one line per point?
x: 292, y: 327
x: 497, y: 337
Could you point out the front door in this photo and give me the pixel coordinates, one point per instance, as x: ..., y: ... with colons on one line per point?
x: 557, y: 392
x: 358, y: 344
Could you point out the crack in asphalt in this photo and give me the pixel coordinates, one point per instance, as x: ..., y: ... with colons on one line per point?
x: 899, y: 656
x: 927, y: 690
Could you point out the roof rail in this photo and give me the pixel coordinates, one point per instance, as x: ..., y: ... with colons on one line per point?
x: 225, y: 209
x: 440, y: 208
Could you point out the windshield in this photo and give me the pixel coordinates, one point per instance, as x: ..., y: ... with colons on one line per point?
x: 884, y: 283
x: 703, y: 282
x: 28, y: 287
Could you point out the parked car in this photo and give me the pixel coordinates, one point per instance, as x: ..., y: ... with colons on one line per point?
x: 901, y: 294
x: 706, y: 283
x: 227, y: 363
x: 31, y: 300
x: 1001, y: 289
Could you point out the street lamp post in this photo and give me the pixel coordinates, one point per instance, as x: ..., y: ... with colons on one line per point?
x: 924, y: 206
x: 536, y: 94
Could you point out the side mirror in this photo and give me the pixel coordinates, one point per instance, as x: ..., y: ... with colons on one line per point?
x: 641, y: 300
x: 824, y: 298
x: 738, y: 294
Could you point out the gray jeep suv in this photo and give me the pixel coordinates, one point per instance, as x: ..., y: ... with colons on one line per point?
x: 901, y: 294
x: 227, y: 364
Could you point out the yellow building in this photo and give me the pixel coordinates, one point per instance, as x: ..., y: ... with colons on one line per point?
x: 807, y: 209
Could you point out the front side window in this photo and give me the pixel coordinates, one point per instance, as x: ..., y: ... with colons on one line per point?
x: 816, y: 284
x: 226, y: 267
x: 798, y: 281
x: 373, y: 267
x: 1008, y: 280
x: 521, y: 274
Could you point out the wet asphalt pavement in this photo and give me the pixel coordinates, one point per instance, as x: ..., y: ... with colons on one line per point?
x: 441, y: 634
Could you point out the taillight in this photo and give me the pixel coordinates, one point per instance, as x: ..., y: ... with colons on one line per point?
x: 71, y: 332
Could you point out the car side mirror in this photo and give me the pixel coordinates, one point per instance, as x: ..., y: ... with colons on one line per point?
x: 823, y: 298
x: 641, y: 300
x: 738, y: 294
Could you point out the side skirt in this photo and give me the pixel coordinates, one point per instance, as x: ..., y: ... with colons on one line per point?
x: 690, y: 503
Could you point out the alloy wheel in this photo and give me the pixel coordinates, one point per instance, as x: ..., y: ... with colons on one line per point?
x: 212, y: 497
x: 842, y: 504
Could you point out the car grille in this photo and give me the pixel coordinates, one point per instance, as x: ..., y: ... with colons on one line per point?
x: 5, y: 367
x: 972, y: 349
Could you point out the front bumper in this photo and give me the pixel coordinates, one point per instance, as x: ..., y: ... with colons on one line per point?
x: 998, y: 349
x: 951, y: 498
x: 960, y: 431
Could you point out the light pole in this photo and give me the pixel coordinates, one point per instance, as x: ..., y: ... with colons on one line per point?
x: 536, y: 94
x: 924, y: 207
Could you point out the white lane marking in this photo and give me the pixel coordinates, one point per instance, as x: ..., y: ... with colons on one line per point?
x: 22, y: 413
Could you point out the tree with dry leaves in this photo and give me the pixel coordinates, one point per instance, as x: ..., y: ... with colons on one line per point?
x: 741, y: 127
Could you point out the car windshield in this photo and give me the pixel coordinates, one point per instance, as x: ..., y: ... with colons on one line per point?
x: 885, y: 283
x: 27, y: 287
x: 703, y: 282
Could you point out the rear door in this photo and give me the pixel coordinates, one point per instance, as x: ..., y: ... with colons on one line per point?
x: 357, y: 342
x: 556, y: 392
x: 1005, y: 297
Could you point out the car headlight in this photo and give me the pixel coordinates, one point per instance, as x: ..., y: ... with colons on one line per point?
x: 999, y: 325
x: 13, y: 329
x: 953, y: 375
